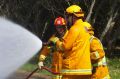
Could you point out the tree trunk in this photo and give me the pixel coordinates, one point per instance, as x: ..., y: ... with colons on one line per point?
x: 110, y: 21
x: 90, y: 11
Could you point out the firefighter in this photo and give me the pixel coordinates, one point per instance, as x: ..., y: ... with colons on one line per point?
x: 100, y: 70
x: 60, y: 25
x: 75, y: 46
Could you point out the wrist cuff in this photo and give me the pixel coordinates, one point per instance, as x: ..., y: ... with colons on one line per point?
x: 42, y: 57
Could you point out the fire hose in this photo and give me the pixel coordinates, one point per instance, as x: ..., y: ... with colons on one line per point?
x: 45, y: 68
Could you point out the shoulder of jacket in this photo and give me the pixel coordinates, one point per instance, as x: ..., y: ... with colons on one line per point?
x: 93, y: 38
x: 96, y: 38
x: 74, y: 28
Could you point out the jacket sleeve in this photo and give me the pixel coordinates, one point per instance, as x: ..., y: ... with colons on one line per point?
x: 67, y: 42
x: 43, y: 53
x: 97, y: 51
x: 45, y: 50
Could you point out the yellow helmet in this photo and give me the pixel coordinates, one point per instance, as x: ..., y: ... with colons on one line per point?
x: 89, y: 28
x: 76, y: 10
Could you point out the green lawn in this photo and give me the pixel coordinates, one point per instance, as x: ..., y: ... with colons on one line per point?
x: 113, y: 64
x: 114, y: 68
x: 31, y: 67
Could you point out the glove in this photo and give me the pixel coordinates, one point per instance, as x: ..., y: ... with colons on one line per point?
x: 42, y: 57
x: 40, y: 64
x: 54, y: 39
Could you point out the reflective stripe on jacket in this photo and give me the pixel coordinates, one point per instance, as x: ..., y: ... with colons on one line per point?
x: 107, y: 77
x: 56, y: 76
x: 102, y: 62
x: 76, y: 71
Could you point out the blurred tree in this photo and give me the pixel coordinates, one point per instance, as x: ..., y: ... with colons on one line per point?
x: 38, y: 16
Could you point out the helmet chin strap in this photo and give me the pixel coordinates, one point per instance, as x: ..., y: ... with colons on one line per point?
x: 74, y: 18
x: 63, y: 33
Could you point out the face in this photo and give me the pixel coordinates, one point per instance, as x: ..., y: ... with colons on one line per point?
x: 69, y: 20
x: 61, y: 30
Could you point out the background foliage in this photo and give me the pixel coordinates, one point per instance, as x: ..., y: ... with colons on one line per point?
x: 38, y: 17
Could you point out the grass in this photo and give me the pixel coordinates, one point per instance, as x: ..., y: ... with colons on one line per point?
x: 114, y: 68
x: 31, y: 67
x: 113, y: 64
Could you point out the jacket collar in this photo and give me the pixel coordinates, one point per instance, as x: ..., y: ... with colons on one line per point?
x: 78, y: 21
x: 65, y: 34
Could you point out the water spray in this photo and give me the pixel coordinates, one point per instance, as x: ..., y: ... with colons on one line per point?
x: 17, y: 46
